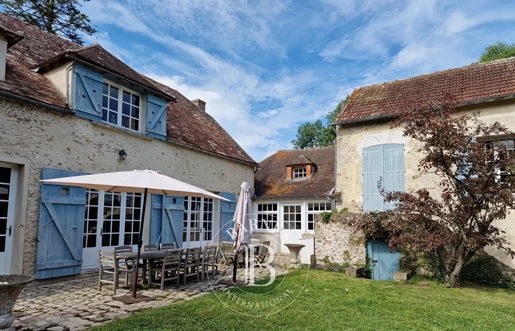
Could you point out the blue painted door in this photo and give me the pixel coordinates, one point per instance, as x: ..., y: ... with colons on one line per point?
x: 227, y: 210
x: 167, y: 220
x: 384, y: 262
x: 61, y: 227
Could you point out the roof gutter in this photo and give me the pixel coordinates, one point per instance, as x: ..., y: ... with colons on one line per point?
x: 365, y: 119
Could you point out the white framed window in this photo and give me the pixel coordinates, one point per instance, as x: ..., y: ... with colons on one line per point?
x: 505, y: 150
x: 292, y: 217
x: 121, y: 107
x: 316, y: 208
x: 299, y: 172
x: 267, y: 216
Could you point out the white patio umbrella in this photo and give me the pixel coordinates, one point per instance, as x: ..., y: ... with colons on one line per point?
x: 242, y: 224
x: 136, y: 181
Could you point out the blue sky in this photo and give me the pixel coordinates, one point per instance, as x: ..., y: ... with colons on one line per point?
x: 265, y: 67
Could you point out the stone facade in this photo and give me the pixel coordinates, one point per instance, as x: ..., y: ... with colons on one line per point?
x: 336, y: 243
x: 34, y: 138
x: 353, y: 139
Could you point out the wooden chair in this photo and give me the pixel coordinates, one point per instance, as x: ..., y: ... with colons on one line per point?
x: 125, y: 249
x: 226, y: 252
x: 263, y: 252
x: 167, y: 269
x: 209, y: 261
x: 150, y: 248
x: 168, y: 246
x: 110, y: 265
x: 190, y: 264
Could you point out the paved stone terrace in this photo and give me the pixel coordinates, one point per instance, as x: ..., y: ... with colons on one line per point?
x: 76, y: 304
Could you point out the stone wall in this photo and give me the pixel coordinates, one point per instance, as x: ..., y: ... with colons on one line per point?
x: 335, y: 242
x: 33, y: 138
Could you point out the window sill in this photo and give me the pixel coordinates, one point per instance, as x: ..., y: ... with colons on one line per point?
x: 120, y: 130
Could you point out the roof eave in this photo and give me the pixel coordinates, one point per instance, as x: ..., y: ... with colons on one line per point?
x: 68, y: 56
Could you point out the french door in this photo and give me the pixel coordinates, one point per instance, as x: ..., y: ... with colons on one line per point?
x: 8, y: 183
x: 198, y: 222
x: 111, y: 219
x: 292, y: 225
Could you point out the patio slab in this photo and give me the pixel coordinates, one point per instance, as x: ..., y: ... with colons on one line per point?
x: 76, y: 303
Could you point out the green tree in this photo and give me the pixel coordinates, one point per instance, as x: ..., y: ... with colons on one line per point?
x: 60, y: 17
x: 499, y: 50
x: 315, y: 134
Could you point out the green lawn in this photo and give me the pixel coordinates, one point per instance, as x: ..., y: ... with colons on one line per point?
x: 321, y: 300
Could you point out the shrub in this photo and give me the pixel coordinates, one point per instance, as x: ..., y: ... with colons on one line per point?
x: 485, y: 270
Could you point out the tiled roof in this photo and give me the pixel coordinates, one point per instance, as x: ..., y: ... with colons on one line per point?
x: 189, y: 125
x: 186, y: 123
x: 96, y: 55
x: 470, y: 84
x: 270, y: 180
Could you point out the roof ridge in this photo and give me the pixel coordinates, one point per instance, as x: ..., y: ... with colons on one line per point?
x: 476, y: 64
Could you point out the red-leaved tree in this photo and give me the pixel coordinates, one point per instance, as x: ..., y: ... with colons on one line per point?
x: 476, y: 189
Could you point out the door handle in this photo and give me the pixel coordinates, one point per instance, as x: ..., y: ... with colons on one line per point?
x: 10, y: 230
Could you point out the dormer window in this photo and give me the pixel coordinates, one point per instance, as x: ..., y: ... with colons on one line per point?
x: 299, y: 172
x: 121, y: 107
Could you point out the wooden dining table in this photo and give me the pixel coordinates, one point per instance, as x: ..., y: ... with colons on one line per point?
x: 147, y: 257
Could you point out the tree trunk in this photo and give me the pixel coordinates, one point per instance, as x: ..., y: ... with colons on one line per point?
x: 454, y: 280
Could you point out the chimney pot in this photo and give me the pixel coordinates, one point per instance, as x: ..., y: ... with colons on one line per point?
x: 200, y: 103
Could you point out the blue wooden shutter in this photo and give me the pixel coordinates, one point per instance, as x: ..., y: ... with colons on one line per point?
x: 393, y: 173
x: 372, y: 172
x: 61, y: 227
x: 227, y: 209
x: 386, y: 162
x: 156, y: 117
x: 88, y: 93
x: 167, y: 219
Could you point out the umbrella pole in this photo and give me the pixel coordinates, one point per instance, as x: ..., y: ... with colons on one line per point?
x: 140, y: 243
x: 235, y: 262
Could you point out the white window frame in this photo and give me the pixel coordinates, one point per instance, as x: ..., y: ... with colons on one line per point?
x: 119, y: 111
x: 299, y: 172
x: 510, y: 148
x: 266, y: 217
x: 314, y: 208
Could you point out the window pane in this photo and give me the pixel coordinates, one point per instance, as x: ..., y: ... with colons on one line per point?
x: 126, y: 109
x: 113, y: 118
x: 113, y: 105
x: 113, y: 92
x: 105, y: 89
x: 135, y: 112
x: 135, y: 100
x: 126, y: 97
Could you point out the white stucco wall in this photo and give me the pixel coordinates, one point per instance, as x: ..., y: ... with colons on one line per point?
x: 36, y: 138
x: 351, y: 141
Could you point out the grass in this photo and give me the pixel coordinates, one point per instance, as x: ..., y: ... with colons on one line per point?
x: 333, y: 301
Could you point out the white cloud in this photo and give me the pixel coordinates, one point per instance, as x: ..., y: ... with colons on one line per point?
x: 265, y: 67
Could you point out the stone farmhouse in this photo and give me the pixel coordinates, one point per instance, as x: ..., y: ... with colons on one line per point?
x: 67, y: 109
x: 367, y: 148
x: 292, y: 186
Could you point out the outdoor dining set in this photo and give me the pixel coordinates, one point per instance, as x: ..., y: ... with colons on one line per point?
x: 166, y: 263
